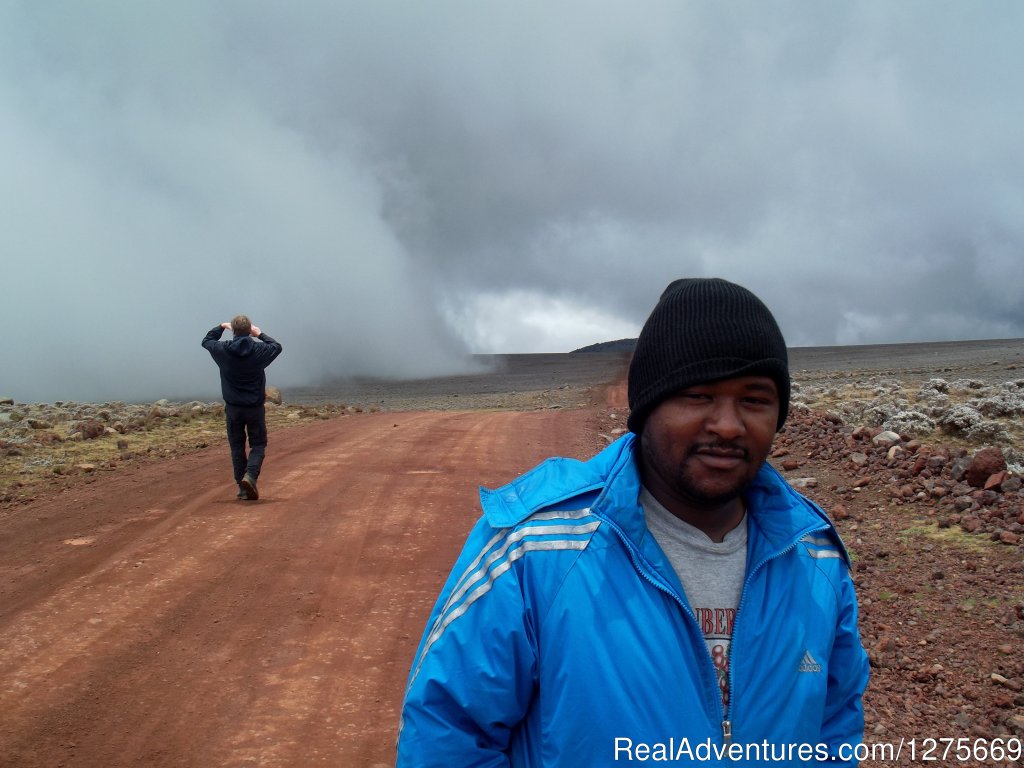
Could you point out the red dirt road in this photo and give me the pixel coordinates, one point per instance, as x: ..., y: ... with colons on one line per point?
x: 147, y: 618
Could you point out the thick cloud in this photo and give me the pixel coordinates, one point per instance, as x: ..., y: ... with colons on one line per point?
x: 385, y: 187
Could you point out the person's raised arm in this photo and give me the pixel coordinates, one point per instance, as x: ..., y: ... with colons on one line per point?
x: 214, y: 334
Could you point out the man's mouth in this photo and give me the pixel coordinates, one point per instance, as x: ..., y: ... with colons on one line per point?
x: 720, y: 456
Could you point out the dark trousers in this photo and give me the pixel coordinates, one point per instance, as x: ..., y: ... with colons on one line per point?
x: 245, y: 420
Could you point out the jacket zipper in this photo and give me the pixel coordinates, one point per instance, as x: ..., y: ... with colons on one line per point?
x: 726, y: 716
x: 727, y: 722
x: 726, y: 725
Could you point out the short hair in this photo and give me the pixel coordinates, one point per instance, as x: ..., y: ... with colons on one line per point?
x: 241, y: 325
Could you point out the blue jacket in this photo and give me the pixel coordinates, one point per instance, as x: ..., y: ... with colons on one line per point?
x: 563, y: 636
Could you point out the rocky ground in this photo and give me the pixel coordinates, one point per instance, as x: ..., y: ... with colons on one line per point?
x: 923, y: 479
x: 922, y: 476
x: 48, y: 446
x: 920, y: 466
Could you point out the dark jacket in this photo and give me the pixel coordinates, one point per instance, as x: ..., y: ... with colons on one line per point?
x: 242, y: 362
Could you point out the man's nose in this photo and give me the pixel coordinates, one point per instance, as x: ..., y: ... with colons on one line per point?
x: 725, y: 419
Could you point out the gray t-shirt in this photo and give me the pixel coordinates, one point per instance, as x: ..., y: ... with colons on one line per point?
x: 711, y: 573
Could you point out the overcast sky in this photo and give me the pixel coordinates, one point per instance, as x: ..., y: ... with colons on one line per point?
x: 387, y: 186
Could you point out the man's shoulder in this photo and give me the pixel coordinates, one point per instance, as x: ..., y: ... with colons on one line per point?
x: 562, y: 483
x: 215, y: 346
x: 781, y: 507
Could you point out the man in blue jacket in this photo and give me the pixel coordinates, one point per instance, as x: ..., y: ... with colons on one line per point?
x: 243, y: 383
x: 670, y: 601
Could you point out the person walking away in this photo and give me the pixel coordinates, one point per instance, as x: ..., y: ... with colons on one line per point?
x: 243, y: 381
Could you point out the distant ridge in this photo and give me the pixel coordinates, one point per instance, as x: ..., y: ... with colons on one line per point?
x: 908, y: 352
x: 622, y: 345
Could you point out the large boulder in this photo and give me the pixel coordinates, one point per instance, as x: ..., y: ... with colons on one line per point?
x: 89, y: 429
x: 984, y: 464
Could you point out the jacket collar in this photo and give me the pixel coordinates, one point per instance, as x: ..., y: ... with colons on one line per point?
x: 779, y: 515
x: 609, y: 483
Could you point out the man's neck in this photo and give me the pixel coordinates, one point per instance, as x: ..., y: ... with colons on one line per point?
x: 714, y: 520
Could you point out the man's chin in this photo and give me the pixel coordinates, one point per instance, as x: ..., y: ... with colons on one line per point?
x: 713, y: 495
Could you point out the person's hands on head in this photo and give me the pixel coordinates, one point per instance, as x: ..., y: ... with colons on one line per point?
x: 254, y: 331
x: 226, y: 326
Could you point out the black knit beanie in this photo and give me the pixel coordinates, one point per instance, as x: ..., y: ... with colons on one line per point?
x: 704, y: 330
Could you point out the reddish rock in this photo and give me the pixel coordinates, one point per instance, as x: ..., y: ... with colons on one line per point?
x: 885, y: 644
x: 970, y: 523
x: 790, y: 464
x: 996, y: 480
x: 984, y: 464
x: 861, y: 482
x: 90, y: 429
x: 1007, y: 537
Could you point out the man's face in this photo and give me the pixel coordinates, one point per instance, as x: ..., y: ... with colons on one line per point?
x: 702, y: 447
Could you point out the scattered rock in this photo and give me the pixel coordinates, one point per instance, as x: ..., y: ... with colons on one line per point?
x: 970, y: 524
x: 959, y: 468
x: 996, y: 480
x: 88, y: 430
x: 886, y: 439
x: 984, y: 464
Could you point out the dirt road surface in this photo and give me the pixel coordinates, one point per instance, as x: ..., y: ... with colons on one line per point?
x: 147, y: 618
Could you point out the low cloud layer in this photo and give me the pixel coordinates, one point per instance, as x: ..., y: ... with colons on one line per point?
x: 388, y: 187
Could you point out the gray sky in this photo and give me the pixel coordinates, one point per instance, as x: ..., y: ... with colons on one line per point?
x: 386, y: 186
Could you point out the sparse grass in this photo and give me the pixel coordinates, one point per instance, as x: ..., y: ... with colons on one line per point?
x: 953, y: 536
x: 28, y: 465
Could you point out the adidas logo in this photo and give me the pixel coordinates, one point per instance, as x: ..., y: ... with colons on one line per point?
x: 808, y: 664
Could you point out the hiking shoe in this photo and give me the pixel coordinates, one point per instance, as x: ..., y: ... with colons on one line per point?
x: 241, y: 493
x: 249, y: 486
